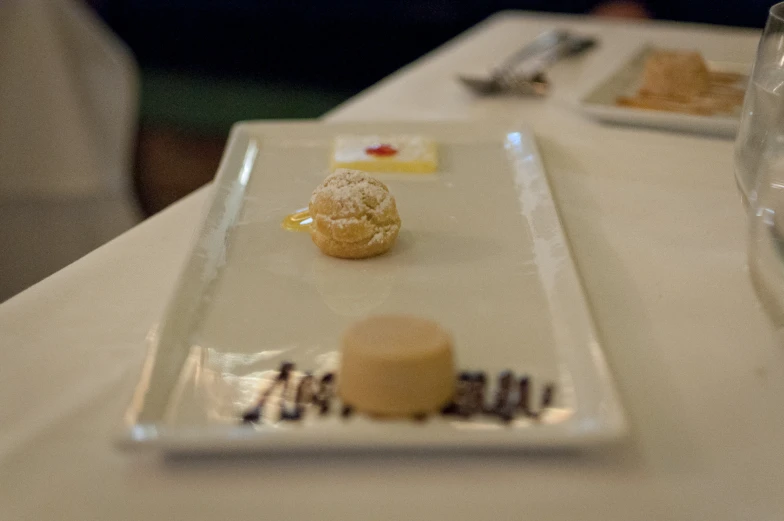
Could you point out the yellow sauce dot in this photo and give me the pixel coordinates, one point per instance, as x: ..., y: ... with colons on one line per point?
x: 298, y: 221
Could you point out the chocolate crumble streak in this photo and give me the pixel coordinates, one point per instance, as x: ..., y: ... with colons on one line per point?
x: 325, y: 393
x: 285, y: 374
x: 502, y: 405
x: 469, y: 400
x: 524, y: 396
x: 253, y: 415
x: 304, y: 395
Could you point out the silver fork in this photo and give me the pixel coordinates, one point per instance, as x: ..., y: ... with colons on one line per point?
x: 495, y: 82
x: 530, y: 80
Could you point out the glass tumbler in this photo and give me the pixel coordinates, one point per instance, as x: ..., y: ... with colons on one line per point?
x: 761, y: 132
x: 766, y: 242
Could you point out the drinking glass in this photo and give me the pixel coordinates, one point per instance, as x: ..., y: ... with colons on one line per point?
x: 761, y: 134
x: 766, y: 242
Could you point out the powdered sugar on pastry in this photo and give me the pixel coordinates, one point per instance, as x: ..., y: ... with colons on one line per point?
x: 354, y: 215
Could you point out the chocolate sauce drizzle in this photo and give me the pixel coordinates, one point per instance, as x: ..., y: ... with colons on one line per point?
x: 470, y: 397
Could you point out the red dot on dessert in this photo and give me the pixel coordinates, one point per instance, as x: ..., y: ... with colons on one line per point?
x: 381, y: 150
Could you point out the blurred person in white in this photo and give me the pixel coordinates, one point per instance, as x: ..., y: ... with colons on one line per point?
x: 68, y: 111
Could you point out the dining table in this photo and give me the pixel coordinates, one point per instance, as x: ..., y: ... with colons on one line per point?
x: 658, y: 233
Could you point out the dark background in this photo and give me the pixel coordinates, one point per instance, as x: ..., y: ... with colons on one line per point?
x: 208, y: 63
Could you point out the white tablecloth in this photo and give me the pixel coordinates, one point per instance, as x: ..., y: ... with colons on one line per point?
x: 657, y: 229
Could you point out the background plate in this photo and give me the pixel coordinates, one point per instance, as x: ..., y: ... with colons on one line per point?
x: 481, y: 251
x: 600, y: 103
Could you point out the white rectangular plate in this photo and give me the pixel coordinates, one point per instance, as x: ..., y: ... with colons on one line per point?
x: 600, y: 102
x: 481, y: 251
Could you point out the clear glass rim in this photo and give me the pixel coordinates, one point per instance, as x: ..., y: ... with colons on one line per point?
x: 777, y: 11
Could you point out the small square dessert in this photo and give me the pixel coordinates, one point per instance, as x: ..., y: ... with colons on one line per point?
x: 385, y: 154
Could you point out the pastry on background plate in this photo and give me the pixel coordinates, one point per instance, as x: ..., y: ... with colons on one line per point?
x: 354, y: 216
x: 675, y: 74
x: 680, y: 81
